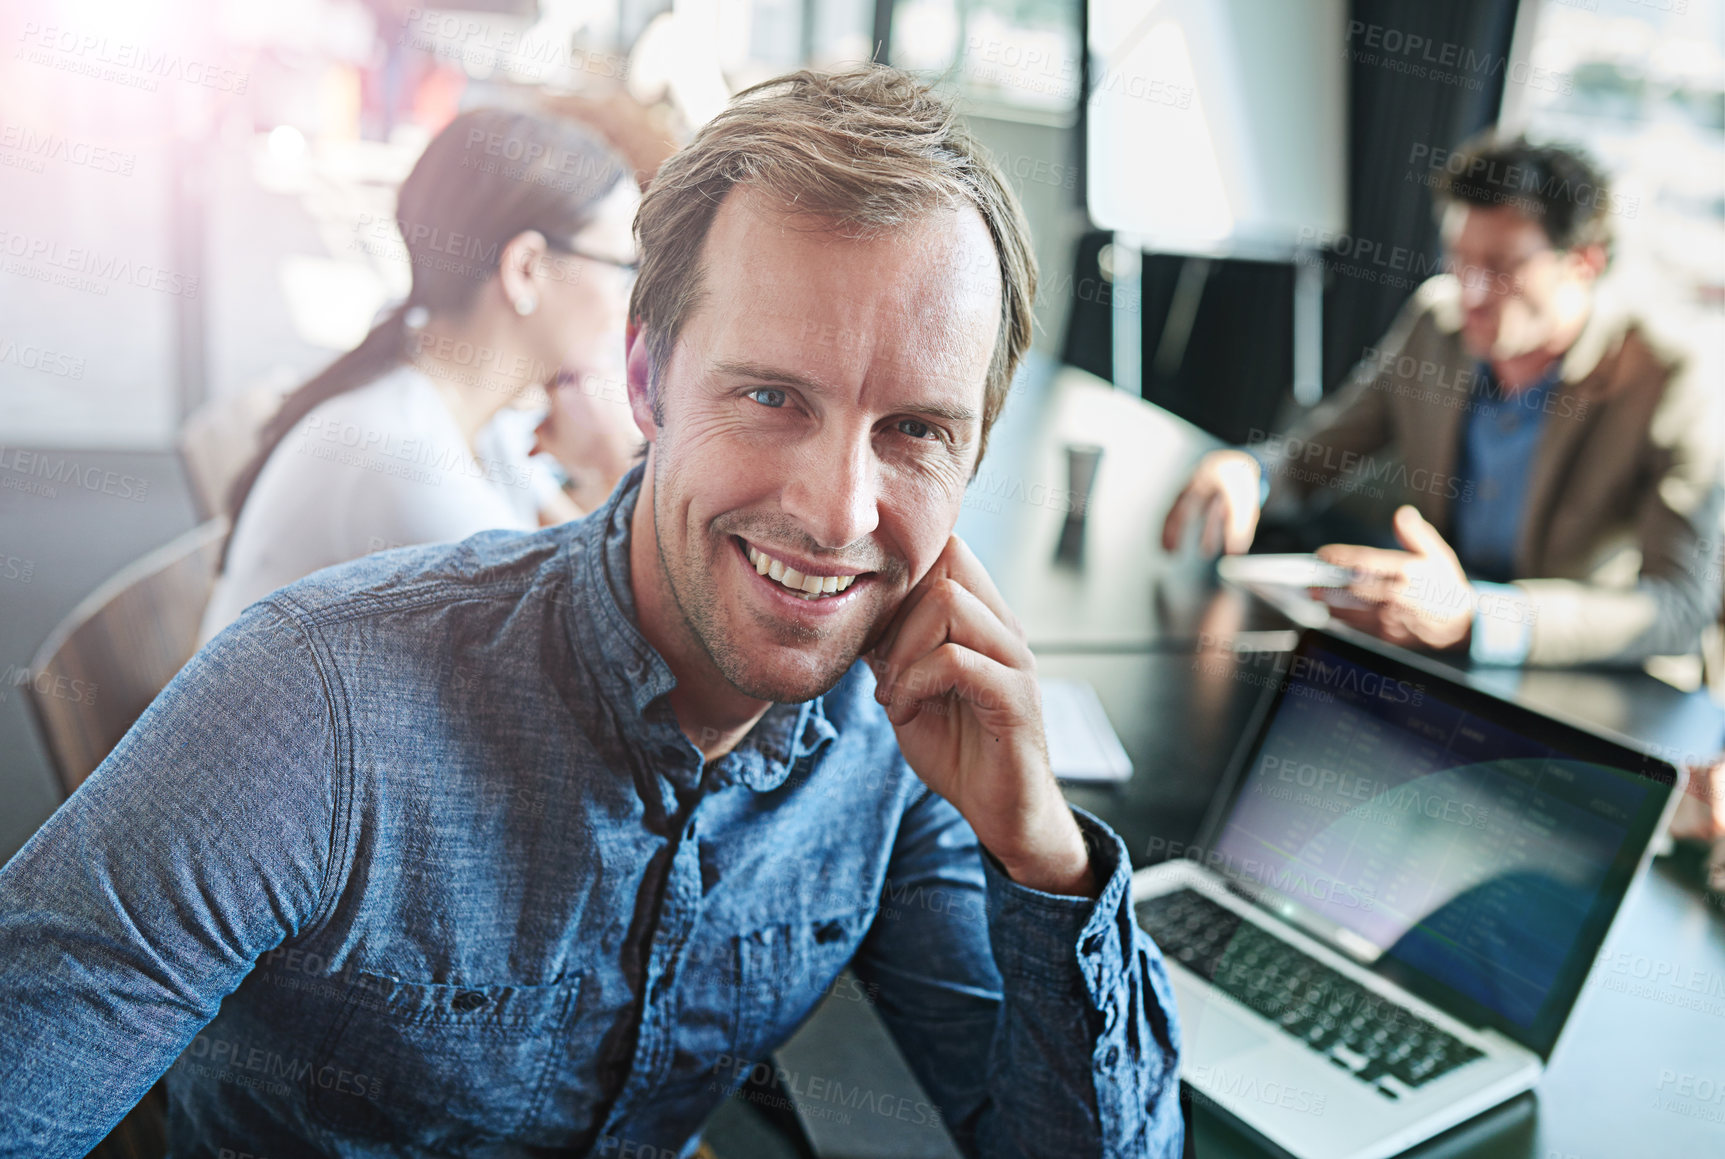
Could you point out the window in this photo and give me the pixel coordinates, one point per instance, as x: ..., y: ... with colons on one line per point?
x: 1641, y: 85
x: 1020, y: 54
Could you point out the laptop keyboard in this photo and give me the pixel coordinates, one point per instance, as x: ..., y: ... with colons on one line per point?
x: 1378, y: 1041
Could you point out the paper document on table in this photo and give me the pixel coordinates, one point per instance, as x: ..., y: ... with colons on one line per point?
x: 1082, y: 745
x: 1284, y: 581
x: 1304, y: 571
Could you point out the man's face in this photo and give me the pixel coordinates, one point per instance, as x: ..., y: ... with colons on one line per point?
x: 1516, y: 289
x: 820, y: 416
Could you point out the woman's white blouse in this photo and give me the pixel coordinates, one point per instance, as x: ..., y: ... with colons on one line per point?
x: 379, y: 467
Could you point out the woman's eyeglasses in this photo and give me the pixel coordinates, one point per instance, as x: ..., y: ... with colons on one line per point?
x: 631, y: 267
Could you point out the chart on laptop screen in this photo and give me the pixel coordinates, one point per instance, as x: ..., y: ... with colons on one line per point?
x: 1448, y: 843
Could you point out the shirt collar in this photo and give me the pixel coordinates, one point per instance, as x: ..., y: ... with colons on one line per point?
x: 1610, y: 317
x: 1494, y: 393
x: 631, y: 674
x: 783, y: 737
x: 1613, y: 312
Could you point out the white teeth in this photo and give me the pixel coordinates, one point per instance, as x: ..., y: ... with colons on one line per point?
x: 790, y: 577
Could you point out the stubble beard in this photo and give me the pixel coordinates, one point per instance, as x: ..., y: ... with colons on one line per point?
x: 699, y: 605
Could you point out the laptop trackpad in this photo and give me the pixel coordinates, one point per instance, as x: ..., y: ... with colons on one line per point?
x: 1218, y: 1036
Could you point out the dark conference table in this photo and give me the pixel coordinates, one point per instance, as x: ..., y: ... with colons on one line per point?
x: 1179, y: 663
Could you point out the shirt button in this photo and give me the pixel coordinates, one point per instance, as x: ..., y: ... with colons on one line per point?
x: 468, y: 1000
x: 1112, y: 1058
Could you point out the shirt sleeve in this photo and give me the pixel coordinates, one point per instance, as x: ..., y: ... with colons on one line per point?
x: 1502, y: 625
x: 204, y: 840
x: 1041, y: 1025
x: 1335, y: 437
x: 1679, y: 528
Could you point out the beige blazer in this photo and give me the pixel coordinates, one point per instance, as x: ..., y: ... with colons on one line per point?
x: 1620, y: 544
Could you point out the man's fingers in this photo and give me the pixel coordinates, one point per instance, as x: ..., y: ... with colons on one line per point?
x: 1372, y: 621
x: 953, y: 671
x: 962, y: 565
x: 1382, y: 575
x: 1357, y: 556
x: 1379, y: 589
x: 1365, y: 619
x: 958, y: 563
x: 1418, y: 536
x: 1174, y: 523
x: 1192, y: 504
x: 1376, y: 561
x: 947, y: 612
x: 1242, y: 523
x: 889, y: 636
x: 1215, y: 522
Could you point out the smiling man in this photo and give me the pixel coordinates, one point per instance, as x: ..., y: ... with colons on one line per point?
x: 545, y: 841
x: 1554, y: 437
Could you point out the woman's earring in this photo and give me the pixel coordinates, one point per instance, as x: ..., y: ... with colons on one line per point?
x: 526, y: 304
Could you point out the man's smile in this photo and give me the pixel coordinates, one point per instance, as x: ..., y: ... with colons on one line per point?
x: 790, y: 577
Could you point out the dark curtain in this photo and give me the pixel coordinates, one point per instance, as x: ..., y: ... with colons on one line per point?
x: 1089, y: 324
x: 1234, y: 372
x: 1228, y: 371
x: 1390, y: 114
x: 1224, y: 366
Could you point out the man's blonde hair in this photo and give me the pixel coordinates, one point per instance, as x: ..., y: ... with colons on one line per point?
x: 869, y: 149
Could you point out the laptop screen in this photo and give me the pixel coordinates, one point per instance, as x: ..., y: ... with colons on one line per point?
x: 1471, y: 850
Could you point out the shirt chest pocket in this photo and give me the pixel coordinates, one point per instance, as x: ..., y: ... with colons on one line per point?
x: 788, y: 969
x: 439, y: 1065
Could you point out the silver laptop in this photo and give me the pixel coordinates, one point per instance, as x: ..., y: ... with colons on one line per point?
x: 1395, y: 900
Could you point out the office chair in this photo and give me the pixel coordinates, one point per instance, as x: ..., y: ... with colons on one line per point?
x: 219, y: 439
x: 103, y: 664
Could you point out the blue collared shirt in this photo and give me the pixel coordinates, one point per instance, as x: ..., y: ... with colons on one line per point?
x: 1498, y: 442
x: 414, y: 858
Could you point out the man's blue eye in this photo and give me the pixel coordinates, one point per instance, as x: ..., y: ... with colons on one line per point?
x: 766, y: 396
x: 915, y: 428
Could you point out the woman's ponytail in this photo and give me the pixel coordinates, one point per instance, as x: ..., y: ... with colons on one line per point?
x: 382, y: 350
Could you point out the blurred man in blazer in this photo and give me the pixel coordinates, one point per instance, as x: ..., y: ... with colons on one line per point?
x: 1559, y: 449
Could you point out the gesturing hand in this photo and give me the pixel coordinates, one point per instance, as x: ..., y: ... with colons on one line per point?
x: 959, y: 685
x: 1418, y: 597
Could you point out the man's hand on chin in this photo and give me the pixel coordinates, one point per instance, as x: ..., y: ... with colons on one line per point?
x: 959, y: 685
x: 1418, y: 598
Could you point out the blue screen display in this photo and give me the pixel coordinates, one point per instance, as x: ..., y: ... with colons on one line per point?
x: 1466, y: 852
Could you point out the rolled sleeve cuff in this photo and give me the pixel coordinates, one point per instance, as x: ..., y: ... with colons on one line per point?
x: 1502, y: 625
x: 1043, y: 936
x: 1265, y: 463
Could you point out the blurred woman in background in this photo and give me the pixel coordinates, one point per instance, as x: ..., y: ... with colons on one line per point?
x: 518, y: 226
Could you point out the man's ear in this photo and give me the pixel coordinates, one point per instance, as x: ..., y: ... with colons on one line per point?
x: 1590, y: 260
x: 640, y: 377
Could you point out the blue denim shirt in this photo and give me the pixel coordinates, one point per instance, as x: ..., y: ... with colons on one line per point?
x: 414, y: 859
